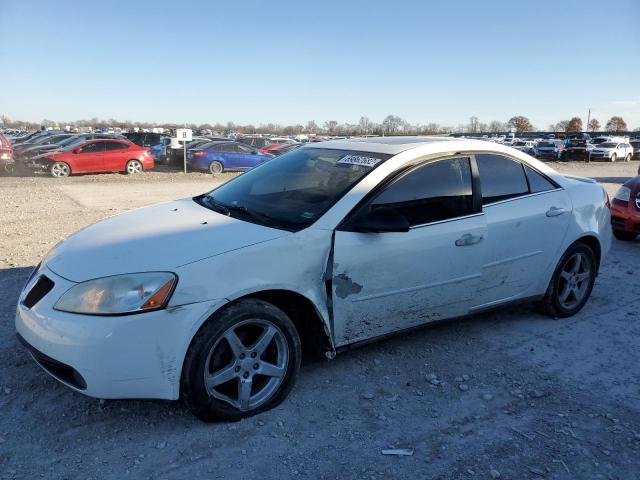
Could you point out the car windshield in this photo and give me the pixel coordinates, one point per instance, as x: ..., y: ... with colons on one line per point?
x: 293, y: 190
x: 519, y: 144
x: 546, y: 144
x: 608, y: 145
x: 597, y: 141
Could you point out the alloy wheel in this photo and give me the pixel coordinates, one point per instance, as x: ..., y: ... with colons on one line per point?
x: 134, y: 166
x: 574, y: 281
x: 247, y: 364
x: 60, y: 170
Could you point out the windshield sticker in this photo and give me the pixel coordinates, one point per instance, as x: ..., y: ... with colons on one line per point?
x: 358, y: 160
x: 308, y: 215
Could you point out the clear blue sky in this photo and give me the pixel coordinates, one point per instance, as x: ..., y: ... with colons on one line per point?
x: 290, y: 62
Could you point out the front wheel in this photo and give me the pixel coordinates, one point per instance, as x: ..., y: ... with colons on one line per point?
x: 60, y: 169
x: 216, y: 168
x: 572, y: 282
x: 133, y: 167
x: 627, y: 158
x: 614, y: 157
x: 241, y: 362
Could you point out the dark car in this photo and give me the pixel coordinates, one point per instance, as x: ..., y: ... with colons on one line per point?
x: 576, y: 147
x: 256, y: 142
x: 49, y: 142
x: 6, y: 155
x: 635, y: 143
x: 144, y: 139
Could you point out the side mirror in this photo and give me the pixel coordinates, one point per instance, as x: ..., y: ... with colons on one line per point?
x: 76, y: 150
x: 380, y: 220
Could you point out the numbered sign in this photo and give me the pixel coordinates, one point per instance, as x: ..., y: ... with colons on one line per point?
x: 184, y: 134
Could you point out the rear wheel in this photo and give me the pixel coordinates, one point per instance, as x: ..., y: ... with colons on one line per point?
x: 614, y: 157
x: 241, y: 362
x: 572, y: 282
x: 60, y: 169
x: 216, y: 168
x: 133, y: 167
x: 624, y: 236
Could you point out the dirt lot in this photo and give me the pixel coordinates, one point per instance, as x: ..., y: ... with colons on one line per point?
x: 510, y: 394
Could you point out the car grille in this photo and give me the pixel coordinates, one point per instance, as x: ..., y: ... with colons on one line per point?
x: 59, y: 370
x: 38, y: 291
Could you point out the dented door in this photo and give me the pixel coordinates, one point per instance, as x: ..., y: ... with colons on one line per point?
x: 385, y: 282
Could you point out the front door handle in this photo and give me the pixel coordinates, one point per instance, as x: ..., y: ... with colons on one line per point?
x: 468, y: 239
x: 555, y: 211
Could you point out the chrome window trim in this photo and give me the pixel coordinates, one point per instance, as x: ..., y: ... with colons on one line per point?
x: 446, y: 220
x: 521, y: 196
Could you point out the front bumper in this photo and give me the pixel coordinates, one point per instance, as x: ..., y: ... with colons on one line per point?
x: 625, y: 219
x: 128, y: 356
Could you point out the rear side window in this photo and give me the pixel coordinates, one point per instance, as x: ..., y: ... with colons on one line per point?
x: 500, y: 178
x: 537, y: 183
x: 436, y: 191
x: 116, y: 146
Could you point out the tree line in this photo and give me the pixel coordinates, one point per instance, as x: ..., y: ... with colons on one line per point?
x: 390, y: 125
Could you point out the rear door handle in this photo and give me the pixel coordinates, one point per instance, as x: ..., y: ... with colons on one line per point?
x: 555, y: 211
x: 468, y: 239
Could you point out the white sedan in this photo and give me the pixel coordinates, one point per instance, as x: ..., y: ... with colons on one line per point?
x: 213, y: 299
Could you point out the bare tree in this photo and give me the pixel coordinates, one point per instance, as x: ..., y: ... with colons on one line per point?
x: 496, y: 126
x: 594, y: 125
x: 574, y: 125
x: 616, y: 124
x: 520, y: 123
x: 473, y: 124
x: 365, y: 125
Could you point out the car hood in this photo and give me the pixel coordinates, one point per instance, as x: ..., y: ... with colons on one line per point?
x: 156, y: 238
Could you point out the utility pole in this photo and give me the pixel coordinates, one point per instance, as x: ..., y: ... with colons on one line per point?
x: 588, y: 119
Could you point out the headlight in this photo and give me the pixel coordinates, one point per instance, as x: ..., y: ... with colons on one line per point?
x: 623, y: 194
x: 137, y: 292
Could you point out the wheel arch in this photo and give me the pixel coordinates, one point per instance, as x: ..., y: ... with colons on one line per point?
x: 314, y: 336
x: 594, y: 244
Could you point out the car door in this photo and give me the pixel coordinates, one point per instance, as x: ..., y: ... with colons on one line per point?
x: 248, y: 156
x: 89, y: 158
x: 527, y: 218
x: 386, y: 282
x: 115, y: 156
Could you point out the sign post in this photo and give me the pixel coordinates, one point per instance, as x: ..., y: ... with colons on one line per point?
x: 184, y: 135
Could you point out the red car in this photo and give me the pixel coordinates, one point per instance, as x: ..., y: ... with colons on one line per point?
x: 95, y: 156
x: 625, y: 210
x: 6, y: 155
x: 268, y: 148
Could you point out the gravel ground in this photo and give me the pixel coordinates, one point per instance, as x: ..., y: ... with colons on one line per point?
x: 510, y: 394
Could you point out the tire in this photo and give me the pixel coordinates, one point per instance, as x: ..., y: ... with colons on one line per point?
x: 211, y: 355
x: 624, y: 236
x: 567, y: 277
x: 627, y: 158
x: 133, y: 167
x: 60, y: 170
x: 216, y: 168
x: 613, y: 158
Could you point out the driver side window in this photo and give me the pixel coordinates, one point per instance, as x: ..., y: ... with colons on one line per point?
x: 436, y: 191
x: 92, y: 147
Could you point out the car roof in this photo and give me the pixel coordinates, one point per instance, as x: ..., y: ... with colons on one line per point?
x: 391, y: 145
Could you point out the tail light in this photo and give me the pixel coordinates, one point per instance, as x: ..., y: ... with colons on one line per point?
x: 199, y: 154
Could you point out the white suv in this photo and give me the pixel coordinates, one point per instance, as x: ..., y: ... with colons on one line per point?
x: 612, y: 151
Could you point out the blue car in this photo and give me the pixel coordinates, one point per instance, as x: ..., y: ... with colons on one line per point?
x: 220, y: 156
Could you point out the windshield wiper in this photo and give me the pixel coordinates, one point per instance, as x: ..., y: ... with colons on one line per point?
x: 261, y: 217
x: 211, y: 203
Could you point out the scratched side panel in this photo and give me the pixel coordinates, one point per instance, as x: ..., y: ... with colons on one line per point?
x: 391, y: 281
